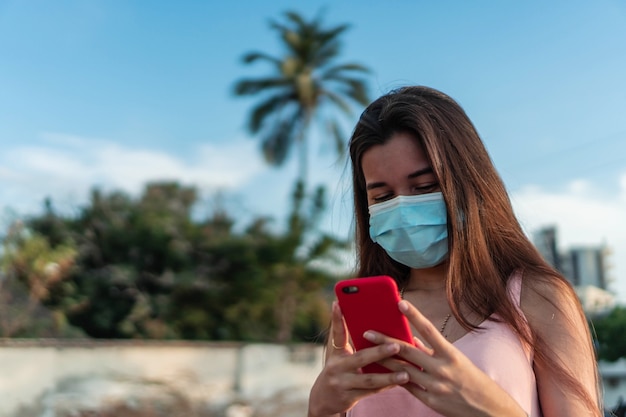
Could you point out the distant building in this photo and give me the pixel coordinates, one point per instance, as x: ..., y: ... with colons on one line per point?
x: 546, y: 242
x: 584, y: 267
x: 588, y: 266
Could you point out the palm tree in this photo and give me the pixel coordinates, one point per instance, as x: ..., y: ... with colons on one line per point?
x: 303, y: 82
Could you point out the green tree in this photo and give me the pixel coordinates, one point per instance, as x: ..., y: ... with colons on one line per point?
x: 290, y: 260
x: 132, y: 251
x: 303, y: 82
x: 143, y: 267
x: 610, y: 330
x: 259, y: 285
x: 129, y: 252
x: 31, y: 270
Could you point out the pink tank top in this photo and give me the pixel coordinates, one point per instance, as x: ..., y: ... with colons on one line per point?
x: 496, y: 350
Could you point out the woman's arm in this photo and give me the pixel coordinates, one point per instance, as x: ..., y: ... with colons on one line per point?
x: 555, y: 316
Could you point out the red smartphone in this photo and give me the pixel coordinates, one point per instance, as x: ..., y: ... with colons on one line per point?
x: 371, y: 303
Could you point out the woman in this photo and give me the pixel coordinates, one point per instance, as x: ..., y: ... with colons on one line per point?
x: 498, y: 332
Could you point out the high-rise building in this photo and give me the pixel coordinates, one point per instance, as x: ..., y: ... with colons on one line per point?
x: 585, y: 267
x: 588, y: 266
x: 545, y: 241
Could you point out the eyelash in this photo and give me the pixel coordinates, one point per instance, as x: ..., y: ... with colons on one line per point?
x: 420, y: 190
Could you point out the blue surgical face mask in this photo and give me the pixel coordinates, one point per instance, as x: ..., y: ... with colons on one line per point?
x: 412, y: 229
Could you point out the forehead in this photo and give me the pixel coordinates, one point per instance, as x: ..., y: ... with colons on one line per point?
x: 400, y: 156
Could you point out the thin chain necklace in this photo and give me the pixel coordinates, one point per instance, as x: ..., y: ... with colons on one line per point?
x: 445, y: 321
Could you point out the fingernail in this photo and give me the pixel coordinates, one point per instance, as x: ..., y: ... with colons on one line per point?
x: 418, y: 343
x: 403, y: 306
x: 369, y: 336
x: 392, y: 347
x: 336, y: 306
x: 402, y: 377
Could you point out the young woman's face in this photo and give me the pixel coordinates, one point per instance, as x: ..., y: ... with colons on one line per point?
x: 398, y: 167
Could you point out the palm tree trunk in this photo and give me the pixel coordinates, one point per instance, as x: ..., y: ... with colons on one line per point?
x: 286, y: 311
x: 303, y: 147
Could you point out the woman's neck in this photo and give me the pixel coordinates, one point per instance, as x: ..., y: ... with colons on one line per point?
x: 428, y: 280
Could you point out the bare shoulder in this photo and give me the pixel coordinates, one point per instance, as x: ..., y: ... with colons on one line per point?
x: 549, y: 303
x: 555, y: 316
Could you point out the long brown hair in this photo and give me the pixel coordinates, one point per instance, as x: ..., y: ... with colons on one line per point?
x: 486, y: 241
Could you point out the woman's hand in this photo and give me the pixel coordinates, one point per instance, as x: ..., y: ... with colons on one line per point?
x: 442, y: 377
x: 341, y: 383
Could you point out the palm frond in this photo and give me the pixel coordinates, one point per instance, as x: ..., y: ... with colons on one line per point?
x: 291, y: 37
x: 249, y: 86
x: 325, y: 53
x: 251, y: 57
x: 277, y: 143
x: 327, y: 45
x: 338, y: 101
x: 338, y: 138
x: 267, y: 108
x: 337, y: 70
x: 296, y: 18
x: 354, y: 88
x: 359, y: 92
x: 332, y: 34
x: 278, y: 26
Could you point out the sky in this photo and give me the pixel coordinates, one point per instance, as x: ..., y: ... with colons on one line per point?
x: 114, y: 94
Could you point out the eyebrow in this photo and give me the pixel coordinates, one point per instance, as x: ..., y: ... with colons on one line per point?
x: 415, y: 174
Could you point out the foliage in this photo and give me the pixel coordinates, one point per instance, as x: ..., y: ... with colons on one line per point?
x: 610, y: 330
x: 31, y: 270
x: 304, y: 81
x: 143, y: 267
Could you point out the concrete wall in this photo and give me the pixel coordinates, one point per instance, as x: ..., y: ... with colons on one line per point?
x: 47, y: 378
x: 64, y: 374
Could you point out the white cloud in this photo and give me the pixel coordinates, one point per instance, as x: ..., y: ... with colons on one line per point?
x: 65, y: 167
x: 583, y: 217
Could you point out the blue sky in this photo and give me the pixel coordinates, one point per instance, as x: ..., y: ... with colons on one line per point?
x: 116, y: 93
